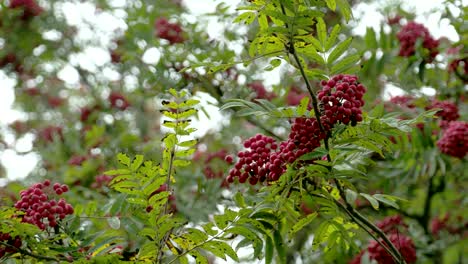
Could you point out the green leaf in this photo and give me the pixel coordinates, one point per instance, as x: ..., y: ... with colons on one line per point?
x: 345, y: 64
x: 136, y: 162
x: 351, y: 196
x: 123, y: 159
x: 279, y: 246
x: 199, y: 258
x: 373, y: 201
x: 339, y: 50
x: 188, y: 143
x: 246, y: 17
x: 332, y: 38
x: 239, y: 199
x: 321, y: 32
x: 331, y: 4
x: 273, y: 64
x: 114, y: 222
x: 301, y: 224
x: 345, y: 9
x: 302, y: 107
x: 268, y: 250
x: 370, y: 38
x: 181, y: 163
x: 387, y: 199
x: 117, y: 172
x: 262, y: 22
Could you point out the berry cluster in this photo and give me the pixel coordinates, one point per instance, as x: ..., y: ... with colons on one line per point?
x: 39, y: 208
x: 169, y: 31
x: 453, y: 225
x: 253, y: 163
x: 30, y: 8
x: 391, y: 224
x: 408, y: 36
x: 449, y: 110
x: 14, y: 242
x: 101, y: 181
x: 11, y: 59
x: 260, y: 91
x: 295, y: 96
x: 341, y: 100
x: 49, y: 133
x: 454, y: 141
x: 264, y: 159
x: 394, y: 20
x: 77, y: 160
x: 403, y: 243
x: 403, y: 101
x: 117, y: 100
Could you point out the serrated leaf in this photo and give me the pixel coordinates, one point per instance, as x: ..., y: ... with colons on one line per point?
x: 344, y: 64
x: 370, y: 38
x: 301, y: 224
x: 123, y: 159
x: 188, y: 143
x: 345, y: 9
x: 262, y: 22
x: 332, y: 38
x: 114, y: 222
x: 136, y: 162
x: 199, y: 258
x: 181, y: 163
x: 208, y: 227
x: 139, y: 201
x: 373, y: 201
x: 268, y: 250
x: 302, y: 107
x: 246, y: 17
x: 279, y: 246
x: 339, y: 50
x: 117, y: 172
x: 351, y: 196
x: 321, y: 32
x: 239, y: 199
x: 386, y: 199
x: 331, y: 4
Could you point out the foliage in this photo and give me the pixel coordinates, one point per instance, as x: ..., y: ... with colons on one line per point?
x: 326, y: 154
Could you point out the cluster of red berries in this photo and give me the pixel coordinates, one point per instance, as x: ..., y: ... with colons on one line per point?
x: 101, y: 181
x: 454, y: 141
x: 453, y: 225
x: 295, y: 96
x: 169, y: 31
x: 77, y: 160
x: 39, y: 208
x: 215, y: 164
x: 403, y: 101
x: 404, y: 245
x: 341, y: 100
x: 13, y: 242
x: 408, y: 36
x: 264, y: 159
x: 394, y: 20
x: 260, y: 91
x: 449, y: 110
x: 117, y: 100
x: 30, y: 8
x: 253, y: 163
x: 376, y: 252
x: 11, y: 59
x: 49, y: 133
x: 391, y: 224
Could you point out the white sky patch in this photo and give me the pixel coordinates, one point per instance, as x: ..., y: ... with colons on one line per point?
x: 391, y: 90
x: 18, y: 166
x: 69, y: 75
x: 429, y: 91
x: 151, y: 56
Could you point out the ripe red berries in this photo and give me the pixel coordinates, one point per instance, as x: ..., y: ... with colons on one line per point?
x: 169, y: 31
x: 454, y: 141
x: 30, y: 8
x: 341, y: 100
x: 117, y: 100
x: 14, y: 242
x: 39, y: 209
x: 408, y: 37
